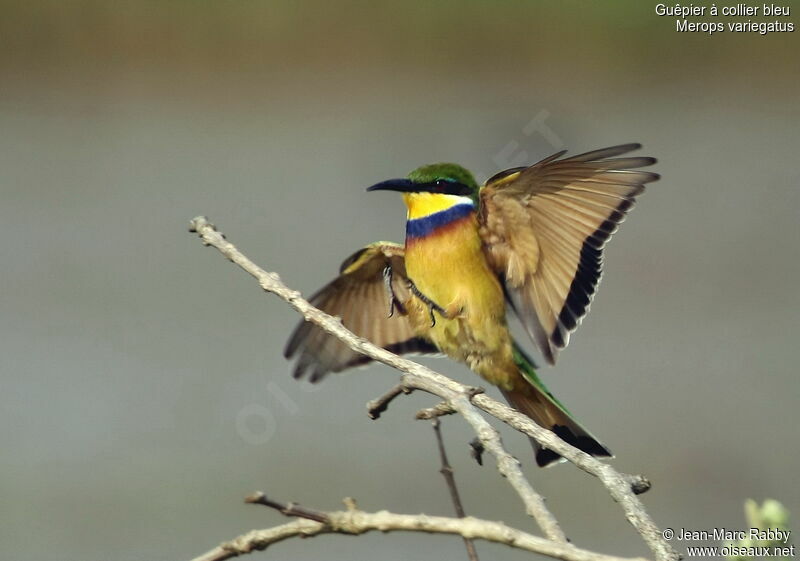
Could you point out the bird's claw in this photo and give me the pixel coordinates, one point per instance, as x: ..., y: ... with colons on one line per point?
x: 432, y: 306
x: 387, y: 283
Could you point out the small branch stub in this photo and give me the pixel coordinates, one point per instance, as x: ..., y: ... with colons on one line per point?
x: 380, y: 404
x: 640, y: 484
x: 288, y: 509
x: 438, y: 410
x: 477, y: 450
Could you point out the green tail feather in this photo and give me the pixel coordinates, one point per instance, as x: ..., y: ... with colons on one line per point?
x: 528, y: 369
x: 545, y: 409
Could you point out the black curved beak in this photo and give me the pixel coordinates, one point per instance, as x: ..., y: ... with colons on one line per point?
x: 402, y: 185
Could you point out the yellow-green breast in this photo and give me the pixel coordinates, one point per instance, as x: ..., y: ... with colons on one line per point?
x: 445, y: 260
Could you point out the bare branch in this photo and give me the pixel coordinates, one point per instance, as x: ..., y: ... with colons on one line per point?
x: 620, y: 486
x: 439, y: 410
x: 461, y: 399
x: 381, y: 404
x: 450, y: 479
x: 288, y: 509
x: 508, y: 466
x: 355, y: 522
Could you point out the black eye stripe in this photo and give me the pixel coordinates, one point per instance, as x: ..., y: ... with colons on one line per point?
x: 448, y: 186
x: 444, y: 183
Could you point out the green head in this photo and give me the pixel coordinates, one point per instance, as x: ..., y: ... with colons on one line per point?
x: 442, y: 179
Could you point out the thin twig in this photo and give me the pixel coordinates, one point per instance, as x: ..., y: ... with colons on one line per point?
x: 288, y: 509
x: 449, y: 477
x: 381, y: 404
x: 439, y: 410
x: 355, y: 522
x: 458, y: 396
x: 508, y: 466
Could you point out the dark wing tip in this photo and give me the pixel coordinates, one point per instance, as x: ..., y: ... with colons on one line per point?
x: 629, y: 163
x: 604, y: 153
x: 290, y: 348
x: 622, y: 148
x: 299, y: 370
x: 629, y: 147
x: 644, y: 177
x: 318, y: 374
x: 301, y: 333
x: 550, y: 158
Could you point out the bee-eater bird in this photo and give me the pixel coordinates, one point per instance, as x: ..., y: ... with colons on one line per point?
x: 531, y: 238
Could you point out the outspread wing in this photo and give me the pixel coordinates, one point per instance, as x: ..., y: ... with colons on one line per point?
x: 359, y: 296
x: 544, y: 228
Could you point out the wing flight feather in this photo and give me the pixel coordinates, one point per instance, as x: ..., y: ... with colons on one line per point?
x: 544, y: 228
x: 359, y: 297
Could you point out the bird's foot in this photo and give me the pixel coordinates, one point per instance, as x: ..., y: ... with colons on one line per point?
x: 448, y: 313
x: 387, y: 283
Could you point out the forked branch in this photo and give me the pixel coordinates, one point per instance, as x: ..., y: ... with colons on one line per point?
x: 466, y: 402
x: 354, y: 521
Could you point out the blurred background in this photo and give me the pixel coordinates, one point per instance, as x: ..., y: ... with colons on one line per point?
x: 144, y: 392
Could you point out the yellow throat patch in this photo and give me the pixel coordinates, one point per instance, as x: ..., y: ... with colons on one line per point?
x: 421, y: 205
